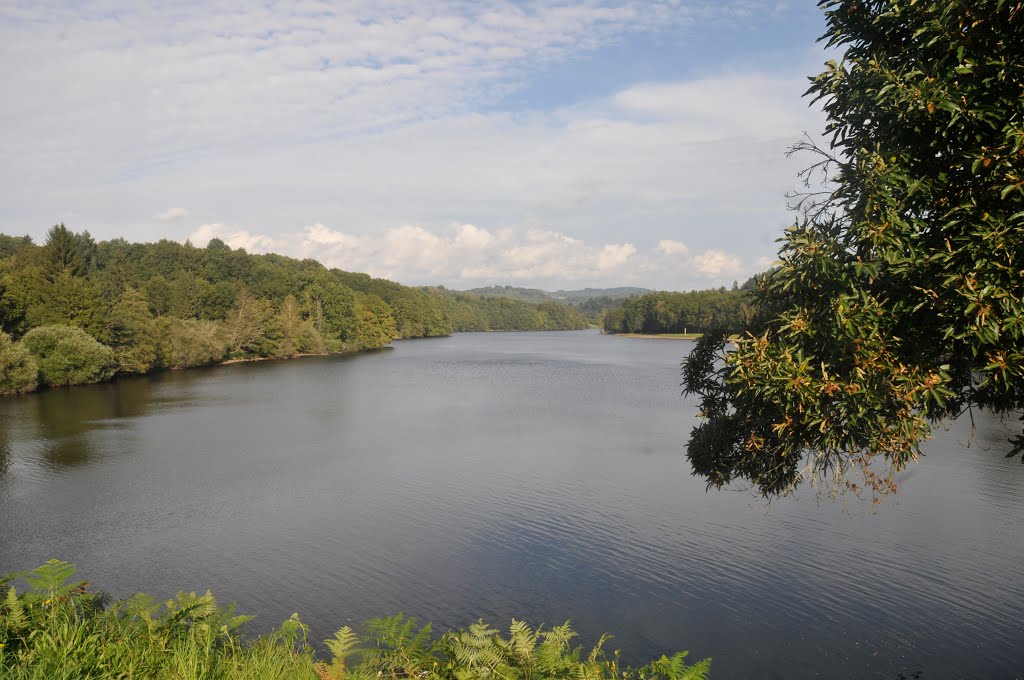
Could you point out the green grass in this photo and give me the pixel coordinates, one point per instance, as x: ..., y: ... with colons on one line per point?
x: 56, y: 629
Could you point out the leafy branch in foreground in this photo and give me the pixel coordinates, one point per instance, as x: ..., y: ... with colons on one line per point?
x: 57, y: 629
x: 899, y: 300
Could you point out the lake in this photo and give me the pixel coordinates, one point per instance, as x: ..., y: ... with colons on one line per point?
x: 535, y: 475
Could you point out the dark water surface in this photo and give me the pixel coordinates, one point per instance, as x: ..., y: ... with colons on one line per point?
x: 533, y: 475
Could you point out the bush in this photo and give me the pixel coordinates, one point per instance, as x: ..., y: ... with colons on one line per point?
x: 67, y: 355
x: 18, y: 370
x: 58, y: 629
x: 184, y: 343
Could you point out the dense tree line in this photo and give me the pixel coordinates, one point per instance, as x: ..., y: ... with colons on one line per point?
x: 592, y: 302
x: 691, y: 312
x: 76, y: 311
x: 469, y: 312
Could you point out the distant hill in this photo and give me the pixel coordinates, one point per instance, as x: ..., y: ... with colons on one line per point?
x: 512, y: 293
x: 573, y: 297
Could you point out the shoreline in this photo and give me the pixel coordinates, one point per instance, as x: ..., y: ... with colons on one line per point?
x: 657, y: 336
x: 246, y: 360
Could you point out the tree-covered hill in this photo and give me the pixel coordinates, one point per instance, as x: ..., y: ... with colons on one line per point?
x: 74, y: 310
x: 572, y: 297
x: 592, y: 302
x: 512, y: 293
x: 695, y: 311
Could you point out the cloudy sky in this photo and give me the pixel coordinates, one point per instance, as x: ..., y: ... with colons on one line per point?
x: 466, y: 143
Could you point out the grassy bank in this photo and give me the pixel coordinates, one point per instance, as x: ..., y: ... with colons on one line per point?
x: 52, y: 627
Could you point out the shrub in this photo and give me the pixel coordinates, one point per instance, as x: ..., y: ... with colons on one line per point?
x: 67, y: 355
x: 183, y: 343
x: 18, y: 370
x: 56, y: 628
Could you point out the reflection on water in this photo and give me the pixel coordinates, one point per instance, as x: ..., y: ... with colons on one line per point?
x: 533, y: 475
x: 56, y: 425
x: 5, y: 445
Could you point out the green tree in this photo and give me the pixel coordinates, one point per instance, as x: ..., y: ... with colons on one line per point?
x: 331, y: 307
x: 185, y: 343
x: 64, y: 252
x: 129, y: 326
x: 68, y: 300
x: 67, y: 355
x: 9, y: 245
x: 899, y: 297
x: 376, y: 325
x: 249, y: 328
x: 18, y: 370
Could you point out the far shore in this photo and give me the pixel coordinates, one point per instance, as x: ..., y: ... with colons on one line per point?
x: 246, y: 360
x: 659, y: 336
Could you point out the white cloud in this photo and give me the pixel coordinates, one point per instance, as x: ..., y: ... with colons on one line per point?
x: 236, y: 238
x: 669, y: 247
x: 715, y: 263
x: 415, y: 255
x: 171, y: 215
x: 383, y: 114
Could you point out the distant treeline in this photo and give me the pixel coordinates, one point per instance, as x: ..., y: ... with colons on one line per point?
x: 76, y: 311
x: 470, y: 312
x: 692, y: 312
x: 590, y: 301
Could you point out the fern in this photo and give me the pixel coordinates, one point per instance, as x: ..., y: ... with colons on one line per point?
x: 675, y: 668
x: 71, y: 635
x: 522, y: 641
x: 51, y: 580
x: 16, y: 617
x: 397, y: 647
x: 343, y: 644
x: 291, y: 631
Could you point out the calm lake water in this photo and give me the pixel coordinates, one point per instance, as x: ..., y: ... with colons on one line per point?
x: 536, y: 475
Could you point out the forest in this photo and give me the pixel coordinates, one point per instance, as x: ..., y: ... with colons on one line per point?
x: 696, y: 311
x: 74, y: 310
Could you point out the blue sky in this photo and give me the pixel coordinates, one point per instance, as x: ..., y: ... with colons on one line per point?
x: 602, y: 143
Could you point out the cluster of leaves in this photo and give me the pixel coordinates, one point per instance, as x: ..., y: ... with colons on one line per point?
x: 56, y: 628
x: 899, y: 299
x: 698, y: 311
x: 83, y: 311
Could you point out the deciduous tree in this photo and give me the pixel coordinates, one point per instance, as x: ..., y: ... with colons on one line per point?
x: 899, y: 298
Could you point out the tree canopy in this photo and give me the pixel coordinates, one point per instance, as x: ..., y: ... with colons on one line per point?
x: 695, y: 311
x: 898, y: 301
x: 68, y: 306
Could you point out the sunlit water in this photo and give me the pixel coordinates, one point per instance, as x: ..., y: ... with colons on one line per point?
x: 534, y: 475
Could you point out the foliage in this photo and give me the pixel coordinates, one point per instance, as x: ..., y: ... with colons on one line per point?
x: 591, y: 302
x: 249, y: 329
x: 168, y: 305
x: 899, y: 298
x: 186, y: 343
x: 9, y: 245
x: 129, y: 327
x: 57, y: 628
x: 67, y: 355
x: 18, y: 369
x: 469, y: 312
x: 376, y: 325
x: 694, y: 312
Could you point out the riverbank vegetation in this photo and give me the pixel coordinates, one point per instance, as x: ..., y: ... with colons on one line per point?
x: 74, y: 311
x: 57, y: 628
x: 695, y: 312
